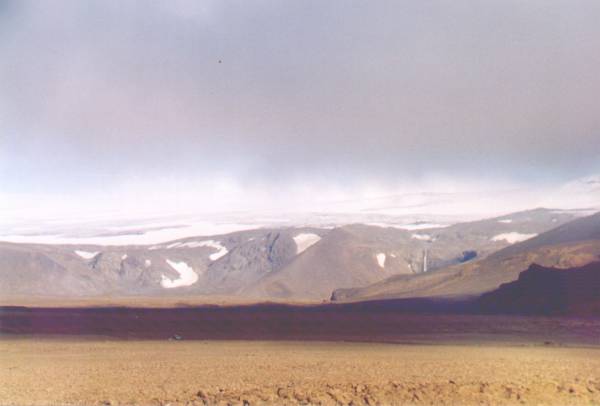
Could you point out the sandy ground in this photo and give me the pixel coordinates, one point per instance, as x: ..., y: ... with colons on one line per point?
x: 77, y: 372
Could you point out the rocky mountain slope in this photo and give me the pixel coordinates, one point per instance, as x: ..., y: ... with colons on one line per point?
x: 359, y: 255
x: 284, y: 263
x: 572, y: 244
x: 200, y: 265
x: 548, y: 291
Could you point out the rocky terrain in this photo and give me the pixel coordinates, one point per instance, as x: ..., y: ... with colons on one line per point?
x: 548, y: 291
x: 194, y: 373
x: 291, y: 263
x: 573, y: 244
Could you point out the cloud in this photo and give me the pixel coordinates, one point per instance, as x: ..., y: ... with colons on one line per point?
x: 333, y: 95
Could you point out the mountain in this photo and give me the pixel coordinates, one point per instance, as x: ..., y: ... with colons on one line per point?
x: 347, y: 256
x: 190, y: 266
x: 359, y: 255
x: 581, y: 229
x: 288, y: 263
x: 571, y: 244
x: 548, y: 291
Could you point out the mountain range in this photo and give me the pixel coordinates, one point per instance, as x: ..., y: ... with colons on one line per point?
x: 346, y: 263
x: 574, y: 243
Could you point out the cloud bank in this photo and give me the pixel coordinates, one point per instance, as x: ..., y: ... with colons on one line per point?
x: 252, y: 104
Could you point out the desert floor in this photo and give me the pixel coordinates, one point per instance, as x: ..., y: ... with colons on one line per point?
x: 64, y: 371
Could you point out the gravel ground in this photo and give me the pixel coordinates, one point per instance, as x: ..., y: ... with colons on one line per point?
x: 41, y: 371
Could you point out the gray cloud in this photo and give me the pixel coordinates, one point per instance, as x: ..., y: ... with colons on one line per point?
x: 100, y: 90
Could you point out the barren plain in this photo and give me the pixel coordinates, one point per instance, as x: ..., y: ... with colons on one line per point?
x: 93, y: 371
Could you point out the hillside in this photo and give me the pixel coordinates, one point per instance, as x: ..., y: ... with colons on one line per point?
x: 285, y: 264
x: 548, y: 291
x: 570, y: 245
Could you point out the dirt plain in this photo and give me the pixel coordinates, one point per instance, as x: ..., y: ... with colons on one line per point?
x: 95, y: 371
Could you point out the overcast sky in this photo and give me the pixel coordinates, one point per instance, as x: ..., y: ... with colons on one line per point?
x: 222, y: 99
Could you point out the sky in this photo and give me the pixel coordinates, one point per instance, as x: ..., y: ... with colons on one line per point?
x: 208, y: 106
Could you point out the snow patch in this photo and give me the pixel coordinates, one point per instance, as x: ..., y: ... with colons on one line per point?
x: 86, y: 254
x: 381, y: 259
x: 305, y: 240
x: 421, y: 237
x: 195, y: 244
x: 123, y: 257
x: 505, y: 221
x: 422, y: 226
x: 222, y: 250
x: 147, y: 263
x: 409, y: 226
x: 190, y: 244
x: 187, y: 276
x: 512, y: 237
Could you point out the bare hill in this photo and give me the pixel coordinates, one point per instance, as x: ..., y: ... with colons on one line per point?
x: 573, y: 244
x: 548, y: 291
x: 290, y: 264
